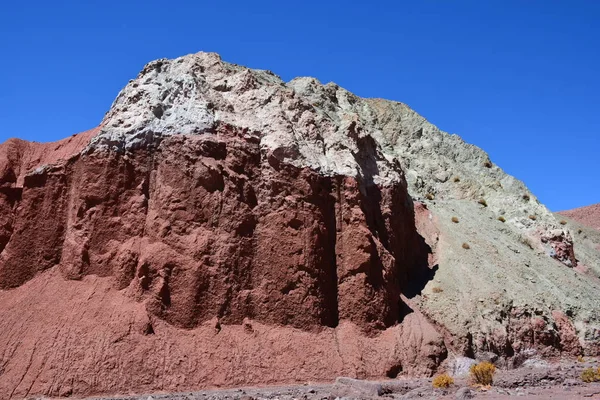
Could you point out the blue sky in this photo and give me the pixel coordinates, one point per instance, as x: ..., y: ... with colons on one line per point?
x: 518, y: 78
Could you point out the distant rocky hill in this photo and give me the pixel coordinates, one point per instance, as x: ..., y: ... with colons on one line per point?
x: 222, y: 227
x: 589, y: 215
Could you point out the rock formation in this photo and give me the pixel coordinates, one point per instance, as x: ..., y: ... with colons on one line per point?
x: 222, y: 227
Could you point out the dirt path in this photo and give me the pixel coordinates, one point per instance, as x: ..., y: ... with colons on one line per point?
x: 540, y: 380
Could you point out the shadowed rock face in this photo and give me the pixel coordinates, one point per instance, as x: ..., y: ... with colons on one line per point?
x: 222, y: 227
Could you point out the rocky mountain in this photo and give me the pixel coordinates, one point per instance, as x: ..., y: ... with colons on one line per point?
x: 222, y: 227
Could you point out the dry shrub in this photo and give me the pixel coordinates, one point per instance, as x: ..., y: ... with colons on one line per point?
x: 437, y: 289
x: 526, y: 197
x: 580, y: 359
x: 429, y: 196
x: 532, y: 217
x: 482, y: 202
x: 527, y: 242
x: 563, y: 222
x: 487, y: 164
x: 590, y: 375
x: 483, y: 373
x: 501, y: 219
x: 456, y: 179
x: 466, y: 246
x: 443, y: 381
x: 455, y: 220
x: 579, y: 231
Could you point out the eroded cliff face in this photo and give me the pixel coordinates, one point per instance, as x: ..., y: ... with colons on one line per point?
x: 203, y: 227
x: 206, y: 233
x: 222, y: 227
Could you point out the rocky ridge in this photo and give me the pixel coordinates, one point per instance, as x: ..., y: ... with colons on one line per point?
x: 253, y: 227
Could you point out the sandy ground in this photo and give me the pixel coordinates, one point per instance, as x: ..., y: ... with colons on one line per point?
x: 538, y: 380
x: 591, y: 391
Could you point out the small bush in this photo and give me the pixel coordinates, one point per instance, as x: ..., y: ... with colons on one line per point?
x: 563, y: 222
x: 501, y: 219
x: 482, y: 202
x: 526, y: 197
x: 591, y: 375
x: 466, y: 246
x: 456, y: 179
x: 527, y: 242
x: 429, y: 196
x: 532, y: 217
x: 455, y: 220
x: 437, y: 289
x: 579, y: 231
x: 580, y: 359
x: 483, y: 373
x: 487, y: 164
x: 443, y: 381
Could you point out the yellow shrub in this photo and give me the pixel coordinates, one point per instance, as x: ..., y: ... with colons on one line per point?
x: 501, y: 219
x: 590, y: 375
x: 483, y: 373
x: 455, y: 220
x: 443, y: 381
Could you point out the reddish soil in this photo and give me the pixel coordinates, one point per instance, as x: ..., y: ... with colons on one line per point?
x: 589, y: 215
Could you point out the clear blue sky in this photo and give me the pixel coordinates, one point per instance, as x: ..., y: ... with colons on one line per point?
x: 519, y: 78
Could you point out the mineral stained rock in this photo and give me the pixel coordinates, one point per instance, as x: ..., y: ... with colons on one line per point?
x: 222, y: 227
